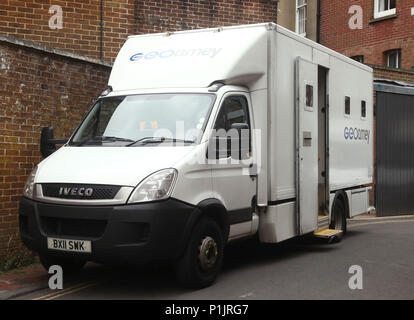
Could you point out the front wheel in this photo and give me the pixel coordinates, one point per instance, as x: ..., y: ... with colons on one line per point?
x: 203, y: 257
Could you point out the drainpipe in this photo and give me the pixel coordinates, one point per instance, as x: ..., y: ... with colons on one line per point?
x: 318, y: 22
x: 101, y: 35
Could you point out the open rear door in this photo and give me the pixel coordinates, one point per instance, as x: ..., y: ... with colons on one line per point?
x: 306, y: 145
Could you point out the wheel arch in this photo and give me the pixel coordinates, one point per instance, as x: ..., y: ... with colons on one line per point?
x: 216, y: 210
x: 212, y: 208
x: 341, y: 195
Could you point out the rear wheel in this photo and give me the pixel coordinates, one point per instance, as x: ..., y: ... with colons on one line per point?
x: 203, y: 257
x: 338, y: 220
x: 69, y: 266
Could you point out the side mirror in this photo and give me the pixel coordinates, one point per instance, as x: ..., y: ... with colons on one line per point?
x: 47, y: 143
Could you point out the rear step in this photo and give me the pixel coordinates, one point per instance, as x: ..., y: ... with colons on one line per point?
x: 329, y: 234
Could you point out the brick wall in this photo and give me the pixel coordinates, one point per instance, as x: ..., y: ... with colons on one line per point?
x: 29, y: 19
x: 160, y: 15
x: 393, y: 74
x: 49, y: 84
x: 37, y: 88
x: 375, y: 37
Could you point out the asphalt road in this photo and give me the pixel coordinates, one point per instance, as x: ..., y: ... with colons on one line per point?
x: 299, y: 269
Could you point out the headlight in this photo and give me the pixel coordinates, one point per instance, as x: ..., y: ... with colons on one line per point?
x: 157, y: 186
x: 29, y: 186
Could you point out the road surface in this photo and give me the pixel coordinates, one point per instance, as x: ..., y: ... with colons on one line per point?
x: 298, y: 269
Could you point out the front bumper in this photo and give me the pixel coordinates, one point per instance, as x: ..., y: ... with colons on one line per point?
x: 136, y: 233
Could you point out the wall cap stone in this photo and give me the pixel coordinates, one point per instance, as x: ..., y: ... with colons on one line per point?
x: 373, y: 66
x: 50, y: 50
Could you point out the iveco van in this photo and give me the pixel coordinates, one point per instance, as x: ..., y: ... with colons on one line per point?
x: 203, y: 137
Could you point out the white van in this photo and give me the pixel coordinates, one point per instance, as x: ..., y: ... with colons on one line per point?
x: 149, y: 176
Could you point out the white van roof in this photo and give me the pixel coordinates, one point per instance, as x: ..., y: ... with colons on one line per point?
x: 197, y: 58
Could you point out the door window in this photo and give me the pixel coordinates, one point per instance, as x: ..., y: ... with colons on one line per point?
x: 233, y: 110
x: 309, y: 96
x: 347, y: 106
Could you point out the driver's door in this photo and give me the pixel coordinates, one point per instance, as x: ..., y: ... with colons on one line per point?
x: 233, y: 181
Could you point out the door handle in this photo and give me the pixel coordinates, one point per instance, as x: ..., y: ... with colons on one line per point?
x: 307, y: 138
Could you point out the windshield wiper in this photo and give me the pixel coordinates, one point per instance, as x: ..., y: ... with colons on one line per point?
x: 148, y: 140
x: 104, y: 139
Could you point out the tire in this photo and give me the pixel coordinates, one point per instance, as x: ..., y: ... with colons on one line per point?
x: 69, y: 266
x: 338, y: 220
x: 201, y: 262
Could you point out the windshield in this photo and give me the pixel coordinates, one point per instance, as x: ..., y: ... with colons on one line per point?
x: 143, y: 119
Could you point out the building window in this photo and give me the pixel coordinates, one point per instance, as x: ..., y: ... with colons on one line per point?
x: 383, y: 8
x: 393, y: 58
x: 347, y: 105
x: 363, y: 109
x: 301, y: 6
x: 358, y: 58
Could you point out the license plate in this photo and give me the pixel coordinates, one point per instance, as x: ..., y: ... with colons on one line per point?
x: 69, y: 245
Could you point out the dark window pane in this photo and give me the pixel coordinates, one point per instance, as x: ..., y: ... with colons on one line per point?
x: 309, y: 96
x: 363, y: 109
x: 347, y: 105
x: 233, y: 110
x: 236, y: 111
x: 221, y: 120
x: 358, y: 58
x: 393, y: 58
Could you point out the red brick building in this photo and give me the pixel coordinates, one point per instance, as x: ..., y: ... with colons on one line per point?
x: 386, y: 36
x: 380, y: 33
x: 98, y: 28
x: 52, y: 69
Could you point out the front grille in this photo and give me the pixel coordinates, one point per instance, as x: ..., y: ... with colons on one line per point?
x: 132, y: 232
x: 73, y: 227
x: 79, y: 191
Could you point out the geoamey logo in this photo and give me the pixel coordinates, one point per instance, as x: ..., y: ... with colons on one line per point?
x: 356, y: 134
x: 165, y: 54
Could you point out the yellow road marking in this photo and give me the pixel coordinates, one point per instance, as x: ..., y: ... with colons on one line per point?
x: 357, y: 218
x: 64, y: 291
x: 379, y: 222
x: 72, y: 291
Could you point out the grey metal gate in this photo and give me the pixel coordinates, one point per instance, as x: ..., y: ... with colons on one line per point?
x: 394, y: 151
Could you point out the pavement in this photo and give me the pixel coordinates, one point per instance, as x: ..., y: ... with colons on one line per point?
x: 22, y: 281
x: 296, y: 269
